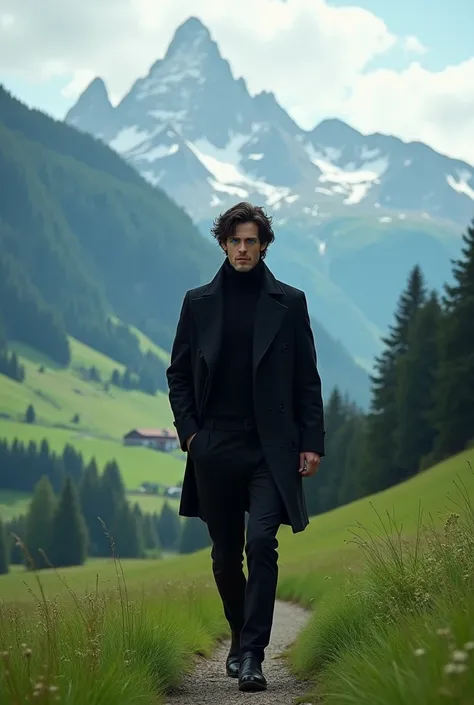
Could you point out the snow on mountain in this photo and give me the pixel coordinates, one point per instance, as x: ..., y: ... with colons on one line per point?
x: 194, y: 129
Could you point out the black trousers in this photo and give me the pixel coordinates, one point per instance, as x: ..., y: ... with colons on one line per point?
x: 232, y: 478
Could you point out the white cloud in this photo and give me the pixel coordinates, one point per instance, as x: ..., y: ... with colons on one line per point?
x: 313, y: 56
x: 413, y: 45
x: 433, y: 107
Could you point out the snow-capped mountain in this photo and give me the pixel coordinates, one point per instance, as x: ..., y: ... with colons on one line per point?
x: 193, y: 129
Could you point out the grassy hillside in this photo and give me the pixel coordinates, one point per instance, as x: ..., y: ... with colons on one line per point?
x: 58, y: 393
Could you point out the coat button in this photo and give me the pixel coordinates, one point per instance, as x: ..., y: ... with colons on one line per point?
x: 281, y: 407
x: 293, y: 447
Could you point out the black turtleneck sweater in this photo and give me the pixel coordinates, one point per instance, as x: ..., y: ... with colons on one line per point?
x: 231, y: 394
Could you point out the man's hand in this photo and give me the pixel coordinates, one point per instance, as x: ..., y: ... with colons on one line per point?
x: 309, y: 464
x: 189, y: 441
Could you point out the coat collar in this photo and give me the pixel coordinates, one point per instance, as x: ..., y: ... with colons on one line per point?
x: 209, y: 313
x: 270, y: 285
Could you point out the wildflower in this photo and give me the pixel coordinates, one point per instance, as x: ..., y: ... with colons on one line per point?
x: 419, y: 652
x: 455, y: 668
x: 469, y: 646
x: 459, y: 656
x: 446, y: 631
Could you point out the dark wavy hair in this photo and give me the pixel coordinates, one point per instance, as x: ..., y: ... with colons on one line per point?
x: 244, y: 212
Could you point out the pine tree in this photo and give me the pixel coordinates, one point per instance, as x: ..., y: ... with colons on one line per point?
x: 4, y: 551
x: 126, y: 533
x: 69, y: 540
x: 194, y: 536
x: 351, y: 442
x: 169, y: 528
x: 381, y: 470
x: 335, y: 414
x: 73, y: 462
x: 39, y: 522
x: 344, y: 450
x: 90, y: 499
x: 150, y: 533
x: 455, y: 388
x: 30, y: 416
x: 416, y: 374
x: 3, y: 335
x: 112, y: 497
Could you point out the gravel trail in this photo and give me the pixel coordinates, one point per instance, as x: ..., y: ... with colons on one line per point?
x: 209, y: 684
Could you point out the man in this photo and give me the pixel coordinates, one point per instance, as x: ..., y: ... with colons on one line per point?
x: 246, y: 398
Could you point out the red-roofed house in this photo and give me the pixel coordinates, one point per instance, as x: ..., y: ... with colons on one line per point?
x: 163, y: 439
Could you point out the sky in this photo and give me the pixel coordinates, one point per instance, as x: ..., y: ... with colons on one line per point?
x: 393, y: 66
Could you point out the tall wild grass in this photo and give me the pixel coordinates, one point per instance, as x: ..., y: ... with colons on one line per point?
x: 104, y: 648
x: 401, y: 632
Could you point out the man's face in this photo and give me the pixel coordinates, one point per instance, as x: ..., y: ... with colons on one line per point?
x: 244, y: 248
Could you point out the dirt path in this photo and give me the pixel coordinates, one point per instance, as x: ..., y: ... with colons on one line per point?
x: 209, y: 685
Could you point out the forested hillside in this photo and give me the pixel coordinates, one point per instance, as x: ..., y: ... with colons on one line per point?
x: 82, y: 236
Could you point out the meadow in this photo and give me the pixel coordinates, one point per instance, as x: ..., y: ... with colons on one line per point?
x: 58, y: 394
x: 391, y: 623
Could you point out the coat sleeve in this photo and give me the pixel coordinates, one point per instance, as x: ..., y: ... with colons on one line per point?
x: 308, y: 396
x: 180, y: 379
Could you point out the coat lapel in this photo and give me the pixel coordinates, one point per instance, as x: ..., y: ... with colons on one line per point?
x: 268, y: 317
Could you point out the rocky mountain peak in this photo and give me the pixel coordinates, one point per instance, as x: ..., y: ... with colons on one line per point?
x: 92, y: 107
x: 96, y: 92
x: 192, y: 34
x: 192, y: 127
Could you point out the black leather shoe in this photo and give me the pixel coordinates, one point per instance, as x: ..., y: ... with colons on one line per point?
x: 232, y: 663
x: 251, y: 677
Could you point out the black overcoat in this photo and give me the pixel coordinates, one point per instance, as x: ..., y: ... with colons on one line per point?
x: 287, y: 386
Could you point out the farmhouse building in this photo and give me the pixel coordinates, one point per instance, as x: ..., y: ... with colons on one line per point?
x: 163, y: 439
